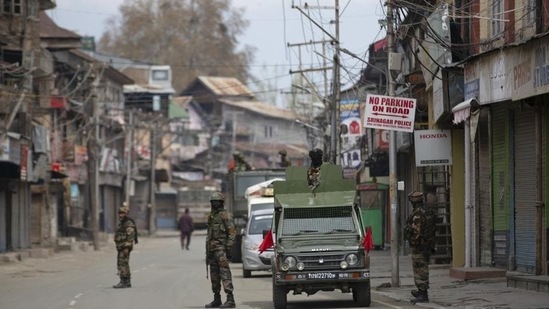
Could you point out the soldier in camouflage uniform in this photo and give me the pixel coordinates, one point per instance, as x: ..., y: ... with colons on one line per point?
x: 124, y: 238
x: 313, y: 173
x: 284, y: 162
x: 220, y: 238
x: 240, y: 163
x: 420, y: 232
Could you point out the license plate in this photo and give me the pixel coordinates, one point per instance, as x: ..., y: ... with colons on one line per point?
x: 323, y: 275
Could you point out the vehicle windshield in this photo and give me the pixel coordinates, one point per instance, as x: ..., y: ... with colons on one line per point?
x: 261, y: 206
x: 260, y: 223
x: 322, y: 220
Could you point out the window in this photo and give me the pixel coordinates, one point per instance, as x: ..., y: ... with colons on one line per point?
x: 497, y: 17
x: 268, y: 132
x: 12, y: 7
x: 530, y: 12
x: 160, y: 75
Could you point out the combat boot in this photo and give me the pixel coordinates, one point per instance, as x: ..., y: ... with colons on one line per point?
x: 128, y: 282
x: 122, y: 284
x: 415, y: 293
x: 230, y: 301
x: 216, y: 302
x: 422, y: 297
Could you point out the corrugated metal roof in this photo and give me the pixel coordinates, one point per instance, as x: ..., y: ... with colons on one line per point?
x: 262, y: 109
x: 225, y: 86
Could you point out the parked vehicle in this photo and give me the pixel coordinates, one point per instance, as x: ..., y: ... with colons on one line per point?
x: 252, y: 260
x: 319, y: 237
x: 234, y: 188
x: 195, y: 195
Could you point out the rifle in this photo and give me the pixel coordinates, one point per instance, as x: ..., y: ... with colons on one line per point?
x: 207, y: 259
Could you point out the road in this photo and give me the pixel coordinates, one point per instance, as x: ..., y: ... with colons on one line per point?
x: 163, y: 276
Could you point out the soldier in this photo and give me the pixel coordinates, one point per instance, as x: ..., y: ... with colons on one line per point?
x: 124, y: 238
x: 420, y: 232
x: 284, y: 162
x: 220, y: 238
x: 313, y: 173
x: 238, y: 163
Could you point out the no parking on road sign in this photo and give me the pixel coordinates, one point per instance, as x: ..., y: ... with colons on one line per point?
x: 389, y: 113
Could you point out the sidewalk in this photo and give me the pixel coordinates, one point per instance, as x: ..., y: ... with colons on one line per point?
x: 447, y: 292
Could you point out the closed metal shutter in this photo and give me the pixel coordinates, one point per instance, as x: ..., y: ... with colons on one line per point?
x: 166, y: 211
x: 500, y: 183
x: 525, y: 189
x: 483, y: 182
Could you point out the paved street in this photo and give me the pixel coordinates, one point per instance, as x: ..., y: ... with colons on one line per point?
x: 163, y: 276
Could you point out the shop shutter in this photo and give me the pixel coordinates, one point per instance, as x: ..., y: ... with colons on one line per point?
x: 525, y: 189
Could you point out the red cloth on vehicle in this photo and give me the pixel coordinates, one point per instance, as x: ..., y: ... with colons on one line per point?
x: 368, y: 242
x: 267, y: 242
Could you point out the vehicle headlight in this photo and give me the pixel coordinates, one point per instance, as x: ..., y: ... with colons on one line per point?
x: 300, y: 266
x: 343, y: 265
x: 291, y: 261
x: 352, y: 259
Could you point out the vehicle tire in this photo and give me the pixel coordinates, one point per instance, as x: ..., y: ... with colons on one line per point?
x: 362, y: 295
x: 280, y: 296
x: 246, y: 273
x: 236, y: 250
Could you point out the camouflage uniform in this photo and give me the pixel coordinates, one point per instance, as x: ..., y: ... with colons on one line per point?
x: 124, y: 238
x: 420, y: 232
x: 219, y: 240
x: 313, y: 173
x: 284, y: 162
x: 240, y: 163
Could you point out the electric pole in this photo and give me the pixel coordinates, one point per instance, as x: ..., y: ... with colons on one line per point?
x: 395, y: 278
x: 93, y: 160
x: 129, y: 159
x: 152, y: 207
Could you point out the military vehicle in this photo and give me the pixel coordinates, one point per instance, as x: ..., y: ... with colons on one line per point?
x: 318, y: 237
x: 234, y: 189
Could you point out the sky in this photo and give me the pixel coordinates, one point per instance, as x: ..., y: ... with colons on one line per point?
x: 273, y: 25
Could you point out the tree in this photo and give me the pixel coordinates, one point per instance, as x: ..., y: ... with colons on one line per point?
x: 195, y: 37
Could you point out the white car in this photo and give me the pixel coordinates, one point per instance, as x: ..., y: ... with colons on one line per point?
x: 252, y: 260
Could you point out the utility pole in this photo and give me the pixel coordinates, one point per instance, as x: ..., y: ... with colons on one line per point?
x: 395, y: 278
x: 334, y: 141
x: 129, y: 160
x: 335, y: 104
x: 152, y: 207
x: 93, y: 160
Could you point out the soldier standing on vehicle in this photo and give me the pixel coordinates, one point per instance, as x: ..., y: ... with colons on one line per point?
x: 124, y: 238
x: 238, y: 163
x: 420, y: 232
x: 313, y: 173
x: 219, y: 240
x: 284, y: 162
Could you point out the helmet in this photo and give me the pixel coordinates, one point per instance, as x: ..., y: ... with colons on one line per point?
x: 124, y: 209
x: 282, y: 152
x: 236, y: 154
x: 217, y: 196
x: 415, y: 197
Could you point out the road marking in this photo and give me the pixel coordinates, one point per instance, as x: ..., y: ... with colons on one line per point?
x: 78, y: 295
x: 387, y: 304
x: 72, y: 303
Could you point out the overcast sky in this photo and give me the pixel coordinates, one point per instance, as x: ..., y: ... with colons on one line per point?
x: 273, y: 24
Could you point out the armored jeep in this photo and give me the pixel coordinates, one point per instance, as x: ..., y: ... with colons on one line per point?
x: 318, y: 237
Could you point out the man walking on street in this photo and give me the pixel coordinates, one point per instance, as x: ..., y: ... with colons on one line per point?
x: 124, y: 238
x: 219, y: 240
x: 420, y: 231
x: 186, y: 228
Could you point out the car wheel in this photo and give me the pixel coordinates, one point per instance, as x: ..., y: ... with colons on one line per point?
x: 246, y: 273
x: 280, y: 297
x: 362, y: 295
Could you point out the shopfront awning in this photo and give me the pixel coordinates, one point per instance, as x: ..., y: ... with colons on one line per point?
x: 462, y: 111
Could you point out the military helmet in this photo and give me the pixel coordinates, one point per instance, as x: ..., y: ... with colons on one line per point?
x: 237, y: 154
x: 415, y: 197
x: 217, y: 196
x: 124, y: 209
x: 282, y: 152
